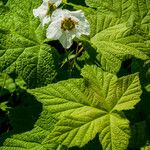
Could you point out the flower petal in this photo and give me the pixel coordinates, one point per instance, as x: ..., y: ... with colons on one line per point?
x: 54, y: 30
x: 79, y: 14
x: 57, y: 14
x: 46, y: 20
x: 45, y: 2
x: 40, y: 11
x: 60, y: 14
x: 67, y: 39
x: 83, y: 28
x: 56, y: 2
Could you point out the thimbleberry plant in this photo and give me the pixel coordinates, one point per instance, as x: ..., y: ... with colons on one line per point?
x: 74, y: 75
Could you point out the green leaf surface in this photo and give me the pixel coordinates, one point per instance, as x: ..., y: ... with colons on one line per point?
x: 145, y: 148
x: 131, y: 10
x: 32, y: 140
x: 22, y: 47
x: 90, y: 106
x: 119, y: 31
x: 145, y: 23
x: 147, y: 88
x: 6, y: 82
x: 115, y: 44
x: 3, y: 106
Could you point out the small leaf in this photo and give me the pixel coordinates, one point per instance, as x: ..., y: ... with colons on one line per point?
x: 6, y: 82
x: 145, y: 148
x: 3, y: 106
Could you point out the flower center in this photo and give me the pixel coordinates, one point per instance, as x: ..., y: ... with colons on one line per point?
x: 68, y: 24
x: 51, y: 8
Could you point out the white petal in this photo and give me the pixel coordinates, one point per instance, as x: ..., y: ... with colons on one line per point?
x: 45, y: 2
x: 61, y: 14
x: 46, y: 20
x: 40, y: 11
x: 54, y: 30
x: 79, y: 14
x: 57, y: 2
x: 57, y: 14
x: 67, y: 39
x: 83, y: 28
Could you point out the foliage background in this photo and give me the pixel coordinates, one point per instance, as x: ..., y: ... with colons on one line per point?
x: 43, y: 89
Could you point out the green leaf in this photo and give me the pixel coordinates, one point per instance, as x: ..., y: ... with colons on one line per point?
x: 145, y: 148
x: 32, y: 140
x: 122, y: 9
x: 131, y: 10
x: 145, y: 23
x: 135, y: 12
x: 147, y: 88
x: 89, y: 106
x: 22, y: 47
x: 7, y: 83
x: 115, y: 44
x: 3, y: 106
x: 119, y: 30
x: 100, y: 21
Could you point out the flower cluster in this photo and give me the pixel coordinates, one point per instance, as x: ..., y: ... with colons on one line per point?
x: 64, y: 25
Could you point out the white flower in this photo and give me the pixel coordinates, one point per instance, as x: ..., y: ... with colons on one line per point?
x: 66, y: 25
x: 45, y: 10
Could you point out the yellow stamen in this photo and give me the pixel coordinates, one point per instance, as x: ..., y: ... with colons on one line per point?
x: 68, y: 24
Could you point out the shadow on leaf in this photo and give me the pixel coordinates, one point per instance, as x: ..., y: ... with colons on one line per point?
x: 24, y: 116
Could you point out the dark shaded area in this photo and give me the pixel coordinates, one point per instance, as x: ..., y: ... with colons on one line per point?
x: 139, y: 120
x: 4, y: 1
x: 138, y: 135
x: 3, y: 9
x: 148, y: 128
x: 92, y: 59
x: 57, y: 46
x: 125, y: 68
x: 84, y: 54
x: 24, y: 116
x: 65, y: 72
x: 140, y: 130
x: 4, y: 122
x: 67, y: 69
x: 21, y: 117
x: 139, y: 66
x: 4, y: 94
x: 77, y: 2
x: 141, y: 111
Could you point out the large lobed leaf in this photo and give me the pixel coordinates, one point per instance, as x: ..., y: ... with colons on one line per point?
x: 89, y: 106
x: 22, y: 47
x: 114, y: 41
x: 119, y: 31
x: 115, y: 45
